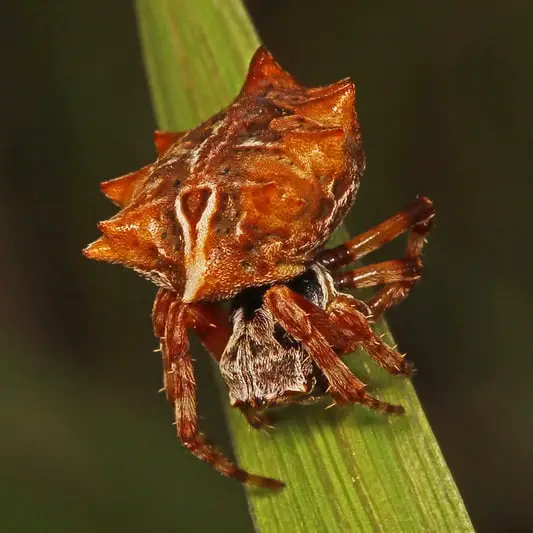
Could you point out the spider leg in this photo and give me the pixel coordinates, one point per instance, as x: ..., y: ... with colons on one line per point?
x: 312, y: 326
x: 380, y: 273
x: 396, y: 292
x: 211, y: 325
x: 344, y: 314
x: 416, y: 217
x: 180, y: 385
x: 256, y: 419
x: 399, y: 276
x: 162, y: 302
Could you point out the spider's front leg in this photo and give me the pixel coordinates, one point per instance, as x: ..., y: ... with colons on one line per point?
x: 171, y: 319
x: 399, y: 276
x: 320, y: 334
x: 211, y: 326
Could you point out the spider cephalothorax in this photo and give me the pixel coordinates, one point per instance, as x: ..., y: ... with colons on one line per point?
x: 240, y: 208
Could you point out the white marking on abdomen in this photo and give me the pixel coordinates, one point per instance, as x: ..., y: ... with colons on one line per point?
x: 195, y: 240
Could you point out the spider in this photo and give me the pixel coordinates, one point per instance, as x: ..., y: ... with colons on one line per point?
x: 239, y: 210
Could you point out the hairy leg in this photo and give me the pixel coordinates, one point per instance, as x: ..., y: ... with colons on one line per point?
x: 180, y: 384
x: 345, y: 315
x: 345, y: 325
x: 211, y: 325
x: 256, y: 418
x: 162, y: 302
x: 417, y: 215
x: 396, y: 270
x: 395, y: 293
x: 398, y: 276
x: 312, y: 326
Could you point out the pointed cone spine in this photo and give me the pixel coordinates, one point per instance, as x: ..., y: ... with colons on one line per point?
x: 101, y: 250
x: 121, y: 190
x: 331, y: 106
x: 134, y: 235
x: 122, y: 243
x: 265, y: 71
x: 164, y: 140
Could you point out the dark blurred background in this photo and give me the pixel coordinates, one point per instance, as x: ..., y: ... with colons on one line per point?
x: 444, y: 97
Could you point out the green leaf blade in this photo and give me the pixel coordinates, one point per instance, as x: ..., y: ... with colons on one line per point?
x: 346, y: 469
